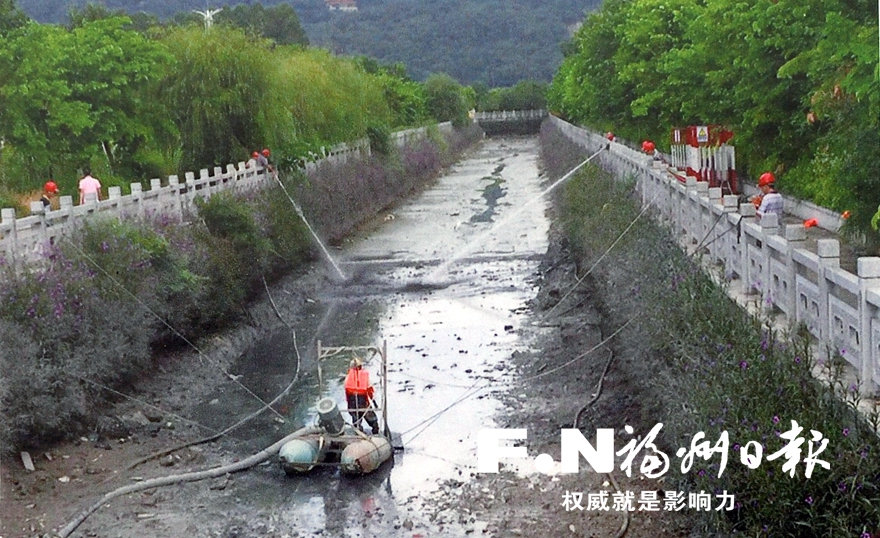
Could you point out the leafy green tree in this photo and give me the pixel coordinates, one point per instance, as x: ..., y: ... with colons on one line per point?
x: 525, y: 95
x: 445, y: 100
x: 405, y: 97
x: 90, y: 12
x: 279, y: 23
x: 73, y: 97
x: 217, y: 94
x: 329, y: 99
x: 797, y: 80
x: 11, y: 17
x: 841, y: 170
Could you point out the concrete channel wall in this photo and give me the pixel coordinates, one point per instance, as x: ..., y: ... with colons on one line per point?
x: 772, y: 262
x: 504, y: 122
x: 24, y: 240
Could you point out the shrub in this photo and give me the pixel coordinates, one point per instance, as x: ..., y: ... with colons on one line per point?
x: 380, y: 140
x: 65, y: 335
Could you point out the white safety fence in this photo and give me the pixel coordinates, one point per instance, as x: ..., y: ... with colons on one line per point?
x: 839, y: 308
x: 24, y: 240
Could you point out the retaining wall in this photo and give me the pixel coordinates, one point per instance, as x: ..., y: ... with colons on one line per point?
x: 771, y: 261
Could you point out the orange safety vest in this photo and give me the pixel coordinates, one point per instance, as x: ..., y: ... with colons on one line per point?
x: 358, y: 382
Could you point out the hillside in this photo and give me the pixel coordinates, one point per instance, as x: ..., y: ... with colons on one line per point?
x: 491, y: 41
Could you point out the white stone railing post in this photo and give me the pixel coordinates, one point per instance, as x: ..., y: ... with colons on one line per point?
x: 868, y: 269
x: 769, y: 228
x: 39, y: 210
x: 828, y: 251
x: 7, y: 218
x: 795, y: 236
x: 137, y: 198
x: 179, y: 197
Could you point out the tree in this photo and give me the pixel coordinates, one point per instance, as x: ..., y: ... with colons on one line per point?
x: 70, y: 97
x: 216, y: 93
x: 279, y: 23
x: 445, y: 100
x: 11, y: 17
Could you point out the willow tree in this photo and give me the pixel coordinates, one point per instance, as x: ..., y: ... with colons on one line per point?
x: 218, y: 94
x: 329, y: 99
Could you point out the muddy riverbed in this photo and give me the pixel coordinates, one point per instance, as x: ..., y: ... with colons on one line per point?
x: 457, y: 283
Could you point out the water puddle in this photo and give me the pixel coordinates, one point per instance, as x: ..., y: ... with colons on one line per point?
x: 445, y: 285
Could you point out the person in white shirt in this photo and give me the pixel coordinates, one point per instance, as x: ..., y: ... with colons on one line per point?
x: 770, y: 201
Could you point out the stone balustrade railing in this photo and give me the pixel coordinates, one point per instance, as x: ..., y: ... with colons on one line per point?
x: 25, y: 239
x: 510, y: 115
x: 771, y: 261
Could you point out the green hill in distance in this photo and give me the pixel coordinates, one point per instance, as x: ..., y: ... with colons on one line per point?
x: 496, y: 42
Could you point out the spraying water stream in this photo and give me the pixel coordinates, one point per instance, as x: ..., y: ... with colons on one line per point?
x: 299, y: 212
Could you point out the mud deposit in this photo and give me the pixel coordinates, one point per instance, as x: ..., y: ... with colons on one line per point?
x: 459, y: 283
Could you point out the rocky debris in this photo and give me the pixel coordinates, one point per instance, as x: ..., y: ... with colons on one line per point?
x: 27, y: 461
x: 112, y: 427
x: 153, y: 415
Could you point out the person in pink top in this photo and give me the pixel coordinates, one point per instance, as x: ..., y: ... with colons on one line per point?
x: 88, y: 185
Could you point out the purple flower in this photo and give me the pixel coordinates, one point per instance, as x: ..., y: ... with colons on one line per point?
x: 743, y: 365
x: 841, y: 487
x: 735, y: 446
x: 865, y: 535
x: 846, y: 432
x: 797, y: 359
x: 775, y: 419
x: 809, y: 500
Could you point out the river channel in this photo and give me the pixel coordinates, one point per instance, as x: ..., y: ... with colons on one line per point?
x: 444, y: 282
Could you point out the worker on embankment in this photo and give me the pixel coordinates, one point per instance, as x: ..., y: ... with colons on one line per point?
x: 359, y: 395
x: 769, y: 201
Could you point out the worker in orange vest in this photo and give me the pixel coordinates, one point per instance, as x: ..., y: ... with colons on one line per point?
x: 359, y: 395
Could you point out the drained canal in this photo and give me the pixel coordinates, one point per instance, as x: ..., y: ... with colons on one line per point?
x: 444, y: 281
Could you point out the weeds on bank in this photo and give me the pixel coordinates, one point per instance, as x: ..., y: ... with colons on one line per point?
x: 716, y: 369
x: 89, y: 315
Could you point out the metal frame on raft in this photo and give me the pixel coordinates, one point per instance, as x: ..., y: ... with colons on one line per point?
x: 333, y: 441
x: 331, y: 352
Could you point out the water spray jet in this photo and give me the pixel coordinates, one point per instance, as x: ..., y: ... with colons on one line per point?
x: 299, y: 212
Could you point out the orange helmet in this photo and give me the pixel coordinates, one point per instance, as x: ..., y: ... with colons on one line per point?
x: 767, y: 178
x: 266, y: 152
x: 50, y: 186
